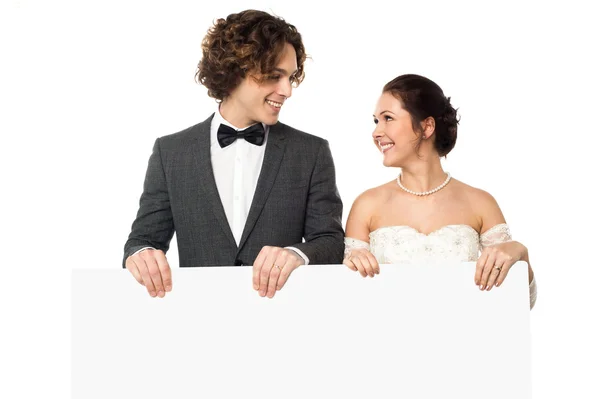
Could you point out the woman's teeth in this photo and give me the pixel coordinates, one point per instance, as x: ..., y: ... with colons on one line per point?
x: 386, y: 147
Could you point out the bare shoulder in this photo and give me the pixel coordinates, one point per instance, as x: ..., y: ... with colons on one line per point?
x: 483, y: 204
x: 363, y: 209
x: 477, y: 196
x: 375, y: 196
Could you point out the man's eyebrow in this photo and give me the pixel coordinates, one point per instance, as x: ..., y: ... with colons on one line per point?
x: 283, y: 71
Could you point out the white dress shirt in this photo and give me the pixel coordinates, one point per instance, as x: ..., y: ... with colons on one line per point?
x: 236, y: 169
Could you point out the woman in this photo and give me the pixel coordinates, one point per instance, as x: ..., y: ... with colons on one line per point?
x: 424, y: 213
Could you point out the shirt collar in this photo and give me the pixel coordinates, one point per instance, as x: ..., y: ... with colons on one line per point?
x: 218, y: 120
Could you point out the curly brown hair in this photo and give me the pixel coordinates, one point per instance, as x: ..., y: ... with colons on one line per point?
x: 249, y: 42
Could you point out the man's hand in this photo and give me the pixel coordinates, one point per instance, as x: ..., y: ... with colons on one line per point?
x: 271, y: 269
x: 151, y: 269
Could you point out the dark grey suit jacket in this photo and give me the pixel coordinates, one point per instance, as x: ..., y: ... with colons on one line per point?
x: 296, y: 198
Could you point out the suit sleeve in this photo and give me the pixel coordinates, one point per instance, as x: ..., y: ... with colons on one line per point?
x: 153, y: 225
x: 323, y: 231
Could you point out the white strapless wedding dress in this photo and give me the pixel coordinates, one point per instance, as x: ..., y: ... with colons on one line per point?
x: 460, y: 242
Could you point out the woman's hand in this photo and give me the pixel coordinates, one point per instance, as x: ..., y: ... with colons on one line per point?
x: 495, y: 262
x: 363, y: 261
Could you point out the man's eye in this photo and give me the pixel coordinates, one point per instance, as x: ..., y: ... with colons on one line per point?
x: 375, y: 121
x: 273, y: 77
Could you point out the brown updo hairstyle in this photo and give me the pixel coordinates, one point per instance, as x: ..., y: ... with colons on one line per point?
x: 247, y: 42
x: 423, y: 98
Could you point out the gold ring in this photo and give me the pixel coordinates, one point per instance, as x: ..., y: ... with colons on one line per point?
x: 498, y: 268
x: 277, y: 266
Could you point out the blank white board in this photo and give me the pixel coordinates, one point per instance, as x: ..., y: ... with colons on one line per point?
x: 414, y: 331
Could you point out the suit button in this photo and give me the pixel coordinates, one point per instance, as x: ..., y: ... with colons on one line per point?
x: 238, y: 262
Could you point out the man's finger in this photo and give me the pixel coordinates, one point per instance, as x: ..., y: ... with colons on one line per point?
x: 290, y: 264
x: 274, y: 276
x: 154, y: 272
x: 165, y: 270
x: 286, y: 270
x: 133, y: 269
x: 257, y: 266
x: 286, y: 259
x: 265, y: 273
x: 143, y: 268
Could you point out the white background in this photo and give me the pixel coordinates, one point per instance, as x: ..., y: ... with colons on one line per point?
x: 86, y: 87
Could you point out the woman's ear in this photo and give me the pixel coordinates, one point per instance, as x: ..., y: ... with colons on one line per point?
x: 428, y: 127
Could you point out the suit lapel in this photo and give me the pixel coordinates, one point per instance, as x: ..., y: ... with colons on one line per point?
x: 270, y: 167
x: 209, y: 193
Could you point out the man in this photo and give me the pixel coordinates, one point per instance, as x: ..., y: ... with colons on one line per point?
x: 240, y: 188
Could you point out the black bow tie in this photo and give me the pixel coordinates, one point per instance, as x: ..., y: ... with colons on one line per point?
x: 226, y: 135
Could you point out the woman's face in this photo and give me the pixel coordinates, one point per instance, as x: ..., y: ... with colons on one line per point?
x: 394, y: 135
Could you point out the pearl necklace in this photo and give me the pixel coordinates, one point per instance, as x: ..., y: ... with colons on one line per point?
x: 438, y: 188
